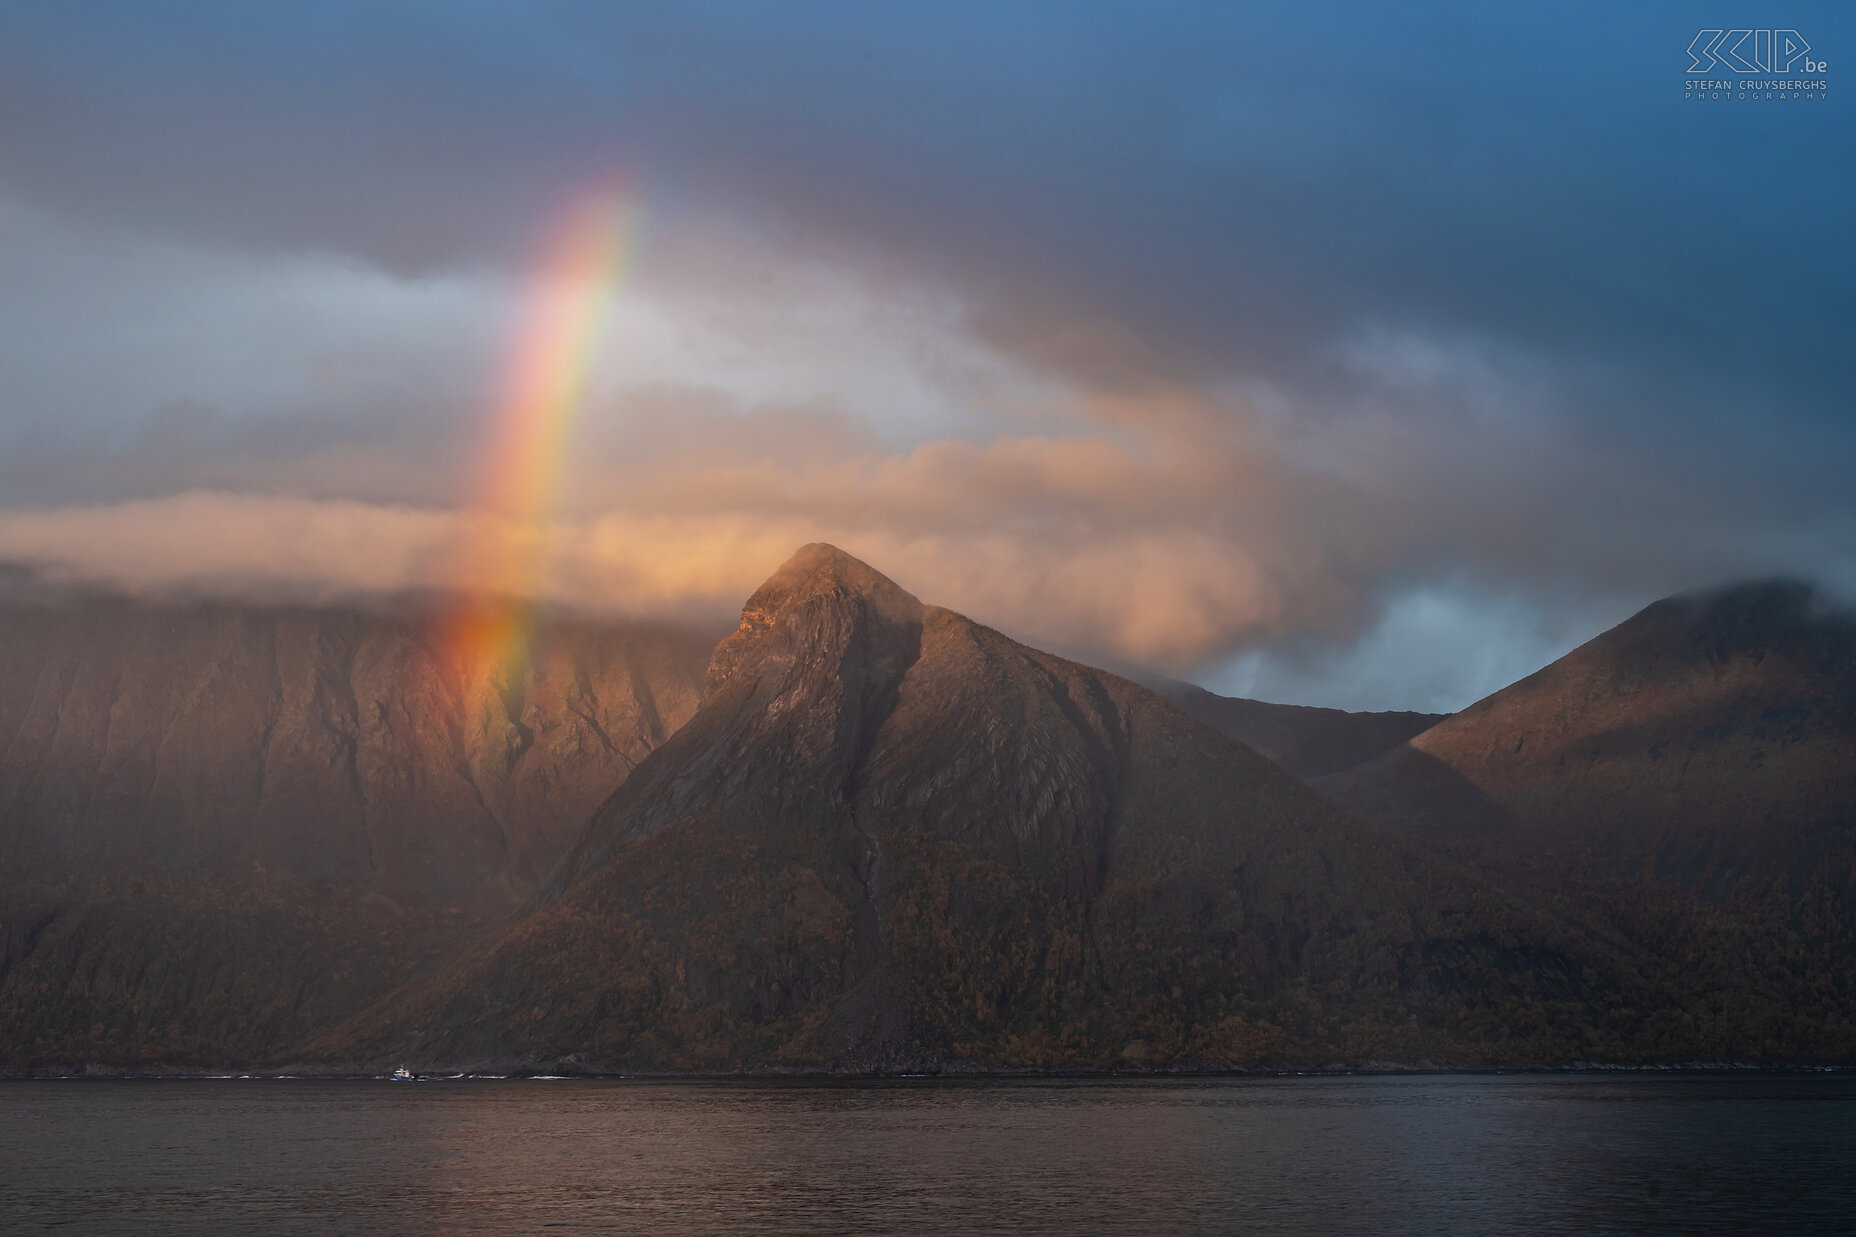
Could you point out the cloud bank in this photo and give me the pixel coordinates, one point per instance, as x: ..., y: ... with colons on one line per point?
x: 1351, y: 373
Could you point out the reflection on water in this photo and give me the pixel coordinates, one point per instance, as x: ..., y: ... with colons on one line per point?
x: 1445, y: 1155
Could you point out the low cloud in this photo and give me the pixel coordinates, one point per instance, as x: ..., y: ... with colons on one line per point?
x: 1124, y: 548
x: 1265, y: 539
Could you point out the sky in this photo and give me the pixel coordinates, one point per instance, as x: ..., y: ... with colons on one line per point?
x: 1357, y: 355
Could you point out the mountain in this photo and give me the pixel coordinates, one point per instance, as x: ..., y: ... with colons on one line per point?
x: 224, y: 824
x: 893, y: 838
x: 1307, y: 741
x: 867, y: 833
x: 1686, y: 782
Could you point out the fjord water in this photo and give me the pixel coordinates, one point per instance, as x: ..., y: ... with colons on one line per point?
x: 1328, y: 1155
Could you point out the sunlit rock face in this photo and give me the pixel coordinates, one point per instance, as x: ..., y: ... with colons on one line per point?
x: 224, y: 823
x: 1688, y: 780
x: 892, y: 838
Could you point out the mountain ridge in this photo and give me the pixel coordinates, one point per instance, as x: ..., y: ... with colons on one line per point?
x: 891, y: 838
x: 864, y: 833
x: 1309, y: 741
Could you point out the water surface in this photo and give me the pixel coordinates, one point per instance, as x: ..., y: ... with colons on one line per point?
x: 1337, y: 1155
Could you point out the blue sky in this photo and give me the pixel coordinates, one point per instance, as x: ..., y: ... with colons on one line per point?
x: 1338, y: 353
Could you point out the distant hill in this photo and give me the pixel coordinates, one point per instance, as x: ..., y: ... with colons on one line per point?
x: 893, y: 838
x: 1687, y: 782
x: 224, y: 824
x: 1308, y: 742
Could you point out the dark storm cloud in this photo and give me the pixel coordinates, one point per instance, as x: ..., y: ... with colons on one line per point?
x: 1217, y: 183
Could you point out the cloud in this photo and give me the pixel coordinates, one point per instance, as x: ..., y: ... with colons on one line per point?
x: 1081, y: 542
x: 1099, y: 325
x: 752, y: 400
x: 234, y: 542
x: 1165, y: 529
x: 1432, y: 648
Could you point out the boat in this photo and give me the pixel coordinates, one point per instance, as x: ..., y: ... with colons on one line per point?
x: 402, y: 1074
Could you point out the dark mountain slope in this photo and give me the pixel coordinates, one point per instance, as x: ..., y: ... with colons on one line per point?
x: 1687, y: 779
x: 1307, y: 741
x: 892, y: 837
x: 222, y: 825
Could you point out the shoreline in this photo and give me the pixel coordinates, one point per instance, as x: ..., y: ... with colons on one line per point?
x: 700, y: 1077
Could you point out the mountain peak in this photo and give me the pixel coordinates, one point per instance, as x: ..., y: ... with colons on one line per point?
x: 1704, y: 738
x: 1753, y: 618
x: 820, y: 567
x: 820, y: 600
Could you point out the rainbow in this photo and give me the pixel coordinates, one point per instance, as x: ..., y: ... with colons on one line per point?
x: 501, y: 564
